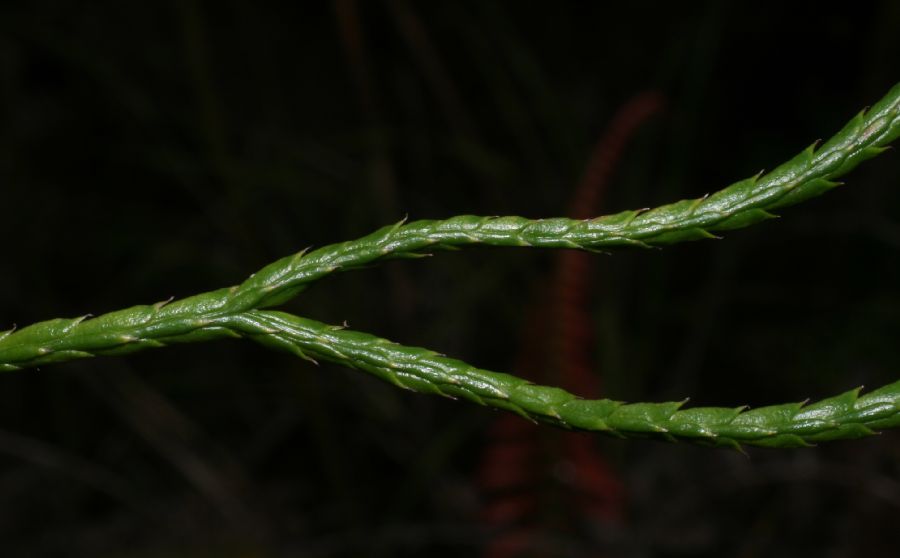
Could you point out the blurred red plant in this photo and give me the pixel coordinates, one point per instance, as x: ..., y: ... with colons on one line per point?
x: 556, y: 348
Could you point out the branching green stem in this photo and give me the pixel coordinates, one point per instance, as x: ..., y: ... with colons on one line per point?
x: 236, y: 311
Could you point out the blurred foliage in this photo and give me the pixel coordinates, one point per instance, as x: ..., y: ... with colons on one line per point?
x: 150, y: 150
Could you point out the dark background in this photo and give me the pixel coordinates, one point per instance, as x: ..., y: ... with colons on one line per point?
x: 161, y: 149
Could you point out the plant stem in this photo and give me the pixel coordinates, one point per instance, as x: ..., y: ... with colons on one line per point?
x: 744, y: 203
x: 234, y: 312
x: 847, y: 415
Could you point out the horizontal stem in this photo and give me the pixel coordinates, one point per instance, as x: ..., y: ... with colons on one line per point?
x: 749, y: 201
x: 744, y: 203
x: 235, y: 311
x: 847, y: 415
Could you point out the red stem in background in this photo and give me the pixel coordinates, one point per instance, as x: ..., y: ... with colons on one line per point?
x: 573, y: 335
x: 511, y: 468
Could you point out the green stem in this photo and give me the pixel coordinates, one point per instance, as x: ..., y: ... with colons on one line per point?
x: 744, y: 203
x: 234, y: 312
x: 749, y: 201
x: 848, y: 415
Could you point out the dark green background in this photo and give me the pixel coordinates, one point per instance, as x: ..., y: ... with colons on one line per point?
x: 160, y: 149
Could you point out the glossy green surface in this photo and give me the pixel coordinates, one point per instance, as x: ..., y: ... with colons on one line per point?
x: 848, y: 415
x: 236, y: 311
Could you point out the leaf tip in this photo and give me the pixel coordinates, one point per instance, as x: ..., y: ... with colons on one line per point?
x: 811, y: 150
x: 157, y: 306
